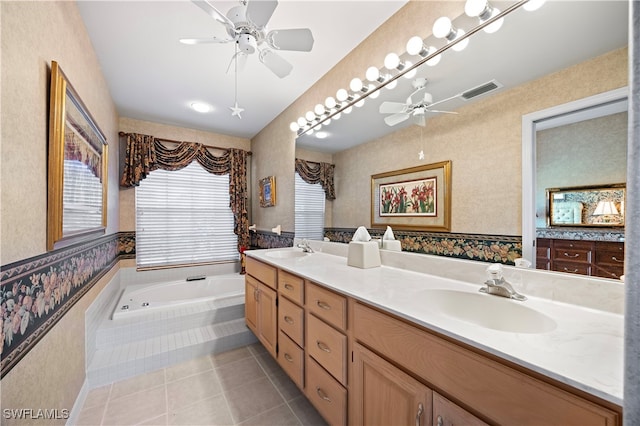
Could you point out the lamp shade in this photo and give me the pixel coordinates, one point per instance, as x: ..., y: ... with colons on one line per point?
x: 605, y: 208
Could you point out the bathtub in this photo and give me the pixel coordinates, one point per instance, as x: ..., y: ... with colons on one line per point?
x: 137, y: 299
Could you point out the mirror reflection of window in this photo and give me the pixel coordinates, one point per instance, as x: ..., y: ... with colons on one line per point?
x: 82, y: 195
x: 309, y: 209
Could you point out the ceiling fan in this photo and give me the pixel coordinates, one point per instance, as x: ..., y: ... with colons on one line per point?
x: 246, y: 26
x: 416, y: 107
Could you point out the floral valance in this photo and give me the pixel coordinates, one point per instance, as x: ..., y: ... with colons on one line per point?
x: 146, y: 153
x: 322, y: 173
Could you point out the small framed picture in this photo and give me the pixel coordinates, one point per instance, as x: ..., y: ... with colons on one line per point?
x: 268, y: 191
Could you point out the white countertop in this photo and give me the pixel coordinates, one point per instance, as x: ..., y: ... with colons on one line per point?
x: 584, y: 350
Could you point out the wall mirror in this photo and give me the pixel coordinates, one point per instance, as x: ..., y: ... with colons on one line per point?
x: 586, y: 206
x: 77, y: 175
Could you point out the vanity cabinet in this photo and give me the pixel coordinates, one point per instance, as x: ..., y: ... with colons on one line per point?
x: 261, y: 315
x: 470, y: 385
x: 596, y: 258
x: 291, y: 354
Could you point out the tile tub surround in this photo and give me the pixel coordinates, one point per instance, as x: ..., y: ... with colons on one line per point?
x: 585, y: 350
x: 243, y: 386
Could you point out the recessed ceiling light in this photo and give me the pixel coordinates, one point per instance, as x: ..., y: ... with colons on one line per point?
x: 322, y: 135
x: 200, y: 107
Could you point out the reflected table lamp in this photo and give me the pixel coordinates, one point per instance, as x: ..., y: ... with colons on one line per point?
x: 606, y: 210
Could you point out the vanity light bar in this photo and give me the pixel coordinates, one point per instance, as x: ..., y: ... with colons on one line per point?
x: 352, y: 100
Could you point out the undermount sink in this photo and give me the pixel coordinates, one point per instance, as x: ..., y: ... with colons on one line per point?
x: 494, y: 312
x: 285, y: 254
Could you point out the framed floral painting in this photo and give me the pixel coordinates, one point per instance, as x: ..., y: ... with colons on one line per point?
x: 414, y: 198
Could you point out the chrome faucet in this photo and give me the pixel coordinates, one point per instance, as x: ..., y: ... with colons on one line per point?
x: 498, y: 286
x: 304, y: 245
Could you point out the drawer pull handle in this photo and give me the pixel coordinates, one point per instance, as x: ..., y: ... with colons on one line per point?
x: 288, y: 287
x: 574, y: 255
x: 573, y: 271
x: 288, y: 357
x: 288, y: 319
x: 440, y: 421
x: 615, y: 259
x: 256, y: 293
x: 322, y: 394
x: 323, y: 347
x: 419, y: 413
x: 323, y: 305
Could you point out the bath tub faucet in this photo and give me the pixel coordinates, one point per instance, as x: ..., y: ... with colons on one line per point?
x: 304, y: 245
x: 498, y: 286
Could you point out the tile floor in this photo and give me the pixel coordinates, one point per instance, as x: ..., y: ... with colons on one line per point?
x: 245, y: 386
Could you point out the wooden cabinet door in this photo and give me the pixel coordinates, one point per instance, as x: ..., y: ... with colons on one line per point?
x: 446, y: 413
x: 382, y: 394
x: 267, y: 318
x: 251, y: 303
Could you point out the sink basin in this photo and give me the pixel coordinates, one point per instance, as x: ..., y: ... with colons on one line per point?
x: 494, y: 312
x: 285, y: 254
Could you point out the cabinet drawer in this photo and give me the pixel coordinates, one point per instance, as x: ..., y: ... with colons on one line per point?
x: 608, y: 271
x: 291, y: 359
x: 327, y: 346
x: 498, y: 392
x: 615, y: 258
x: 291, y: 320
x: 562, y: 254
x: 572, y: 267
x: 446, y: 413
x: 327, y: 395
x: 327, y: 305
x: 263, y: 272
x: 612, y: 246
x: 291, y: 286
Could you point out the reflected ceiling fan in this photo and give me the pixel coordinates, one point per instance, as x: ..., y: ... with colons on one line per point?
x: 246, y: 26
x: 416, y: 107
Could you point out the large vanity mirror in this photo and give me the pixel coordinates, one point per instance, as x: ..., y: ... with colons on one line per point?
x: 530, y: 46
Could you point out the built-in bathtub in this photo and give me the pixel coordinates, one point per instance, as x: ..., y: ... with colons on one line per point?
x: 138, y: 299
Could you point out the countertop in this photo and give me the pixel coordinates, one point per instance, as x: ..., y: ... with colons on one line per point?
x: 584, y: 349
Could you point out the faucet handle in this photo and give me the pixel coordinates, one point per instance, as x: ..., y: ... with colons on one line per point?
x: 495, y: 271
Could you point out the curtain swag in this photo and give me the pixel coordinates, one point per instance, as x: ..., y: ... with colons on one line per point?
x: 146, y: 153
x: 322, y: 173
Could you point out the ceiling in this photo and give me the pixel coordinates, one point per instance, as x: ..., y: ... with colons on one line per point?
x: 528, y: 46
x: 153, y: 77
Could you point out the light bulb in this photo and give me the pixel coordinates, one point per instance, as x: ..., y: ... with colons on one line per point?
x: 442, y: 27
x: 337, y: 116
x: 360, y: 103
x: 356, y: 85
x: 327, y: 121
x: 342, y: 95
x: 495, y: 26
x: 372, y: 74
x: 373, y: 94
x: 435, y: 60
x: 532, y: 5
x: 200, y: 107
x: 464, y: 43
x: 319, y: 109
x: 411, y: 73
x: 475, y: 8
x: 310, y: 116
x: 330, y: 102
x: 391, y: 61
x: 348, y: 110
x: 415, y: 46
x: 294, y: 126
x: 302, y: 122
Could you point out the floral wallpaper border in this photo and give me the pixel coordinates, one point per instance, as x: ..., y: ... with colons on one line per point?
x: 36, y: 293
x: 485, y: 248
x: 264, y: 239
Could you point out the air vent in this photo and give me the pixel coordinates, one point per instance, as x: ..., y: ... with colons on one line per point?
x: 481, y: 90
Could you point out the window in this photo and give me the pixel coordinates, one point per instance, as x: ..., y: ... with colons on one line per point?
x: 309, y: 206
x: 183, y: 217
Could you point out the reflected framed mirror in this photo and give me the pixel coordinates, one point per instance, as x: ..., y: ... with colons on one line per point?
x: 586, y: 206
x: 77, y: 175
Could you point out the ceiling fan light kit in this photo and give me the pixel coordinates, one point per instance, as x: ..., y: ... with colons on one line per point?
x: 490, y: 20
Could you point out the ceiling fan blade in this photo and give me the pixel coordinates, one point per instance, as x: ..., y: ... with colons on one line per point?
x: 440, y: 112
x: 416, y: 96
x: 214, y: 13
x: 298, y: 39
x: 275, y: 63
x: 205, y: 40
x: 392, y: 107
x: 394, y: 119
x: 259, y: 11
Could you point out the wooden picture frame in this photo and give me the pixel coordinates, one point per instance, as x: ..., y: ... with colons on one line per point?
x: 416, y: 198
x: 600, y: 206
x: 268, y: 191
x: 77, y: 175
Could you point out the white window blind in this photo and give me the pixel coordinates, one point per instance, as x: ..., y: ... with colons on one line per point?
x: 183, y: 217
x: 82, y: 194
x: 309, y: 206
